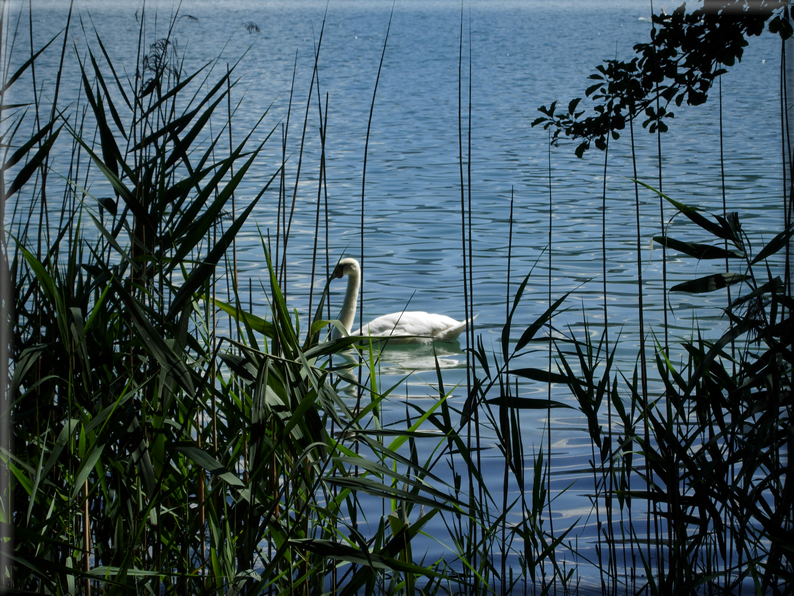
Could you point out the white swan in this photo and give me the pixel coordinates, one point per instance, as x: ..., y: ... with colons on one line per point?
x: 414, y: 327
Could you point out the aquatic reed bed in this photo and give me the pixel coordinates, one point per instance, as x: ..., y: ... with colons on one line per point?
x: 160, y: 447
x: 706, y: 450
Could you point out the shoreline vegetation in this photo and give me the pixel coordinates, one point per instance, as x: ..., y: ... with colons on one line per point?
x: 162, y: 438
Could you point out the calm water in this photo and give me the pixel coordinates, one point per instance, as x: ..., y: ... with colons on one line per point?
x: 523, y: 55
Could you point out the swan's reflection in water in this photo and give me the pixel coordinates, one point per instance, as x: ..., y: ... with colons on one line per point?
x: 399, y: 360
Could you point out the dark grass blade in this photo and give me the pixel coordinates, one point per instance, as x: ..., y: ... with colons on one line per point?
x: 27, y: 64
x: 775, y: 245
x: 699, y: 251
x: 31, y: 166
x: 709, y: 283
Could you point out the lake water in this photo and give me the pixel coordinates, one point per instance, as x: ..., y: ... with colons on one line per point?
x: 523, y: 55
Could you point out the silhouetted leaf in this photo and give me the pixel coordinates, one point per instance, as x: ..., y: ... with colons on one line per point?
x: 526, y: 403
x: 21, y: 70
x: 17, y: 155
x: 693, y: 214
x: 709, y: 283
x: 508, y: 323
x: 530, y: 331
x: 541, y: 375
x: 774, y: 245
x: 773, y: 286
x: 715, y: 350
x: 699, y: 251
x: 126, y: 195
x: 35, y: 162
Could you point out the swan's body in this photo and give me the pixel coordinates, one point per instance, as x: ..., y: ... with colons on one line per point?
x: 416, y: 326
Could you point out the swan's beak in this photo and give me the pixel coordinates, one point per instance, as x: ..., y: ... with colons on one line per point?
x: 338, y: 272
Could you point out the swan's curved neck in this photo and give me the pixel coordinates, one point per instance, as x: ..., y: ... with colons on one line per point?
x: 348, y: 313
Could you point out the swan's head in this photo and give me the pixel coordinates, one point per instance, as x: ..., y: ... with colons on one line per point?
x: 346, y: 267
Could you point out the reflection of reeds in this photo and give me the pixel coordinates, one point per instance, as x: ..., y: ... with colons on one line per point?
x: 159, y: 448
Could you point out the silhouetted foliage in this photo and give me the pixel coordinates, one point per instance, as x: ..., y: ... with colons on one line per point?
x: 687, y: 52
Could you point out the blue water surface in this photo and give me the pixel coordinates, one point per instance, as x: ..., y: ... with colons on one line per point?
x: 516, y: 56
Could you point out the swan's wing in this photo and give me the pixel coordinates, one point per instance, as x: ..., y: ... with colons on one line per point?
x: 417, y: 324
x: 393, y: 324
x: 452, y: 333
